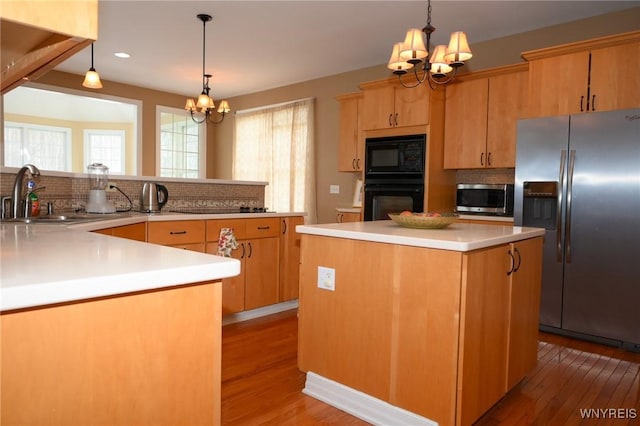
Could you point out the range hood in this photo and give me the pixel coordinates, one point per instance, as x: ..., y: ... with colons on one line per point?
x: 36, y: 36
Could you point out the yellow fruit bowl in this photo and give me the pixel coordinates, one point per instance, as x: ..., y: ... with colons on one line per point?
x: 424, y: 220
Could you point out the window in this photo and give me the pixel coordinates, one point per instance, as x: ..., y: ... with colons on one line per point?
x: 275, y: 144
x: 181, y: 145
x: 106, y: 147
x: 47, y: 147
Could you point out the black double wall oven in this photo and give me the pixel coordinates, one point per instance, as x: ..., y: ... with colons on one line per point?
x: 394, y: 175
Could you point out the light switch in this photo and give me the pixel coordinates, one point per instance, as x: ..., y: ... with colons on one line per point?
x: 334, y: 189
x: 326, y: 278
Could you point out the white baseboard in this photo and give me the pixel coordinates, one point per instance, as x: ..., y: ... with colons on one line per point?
x: 259, y: 312
x: 359, y: 404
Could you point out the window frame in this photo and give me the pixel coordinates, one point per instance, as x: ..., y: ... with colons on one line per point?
x: 202, y: 139
x: 123, y: 145
x: 25, y: 127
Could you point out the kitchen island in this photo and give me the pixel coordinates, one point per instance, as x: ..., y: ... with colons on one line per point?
x: 103, y: 330
x: 416, y: 326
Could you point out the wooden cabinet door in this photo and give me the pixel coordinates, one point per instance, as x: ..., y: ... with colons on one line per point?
x: 483, y: 337
x: 289, y: 258
x: 351, y: 143
x: 411, y: 105
x: 378, y: 108
x: 465, y: 129
x: 507, y: 102
x: 615, y: 77
x: 233, y: 288
x: 261, y: 283
x: 558, y: 85
x: 524, y: 308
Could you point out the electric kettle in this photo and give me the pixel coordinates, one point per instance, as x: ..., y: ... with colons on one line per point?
x: 153, y: 197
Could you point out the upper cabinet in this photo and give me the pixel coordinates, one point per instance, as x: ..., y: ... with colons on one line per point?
x: 38, y: 35
x: 593, y: 75
x: 351, y: 144
x: 480, y: 118
x: 388, y: 104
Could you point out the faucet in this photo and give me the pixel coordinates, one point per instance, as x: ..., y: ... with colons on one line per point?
x: 18, y: 198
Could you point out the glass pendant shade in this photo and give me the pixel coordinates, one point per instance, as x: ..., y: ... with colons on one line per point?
x: 439, y: 65
x: 413, y: 49
x: 92, y: 80
x: 224, y: 107
x: 396, y: 63
x: 190, y: 105
x: 458, y: 50
x: 204, y: 101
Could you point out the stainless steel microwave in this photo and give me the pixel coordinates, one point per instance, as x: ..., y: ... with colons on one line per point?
x: 487, y: 199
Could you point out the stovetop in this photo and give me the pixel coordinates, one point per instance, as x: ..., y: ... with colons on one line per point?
x: 219, y: 210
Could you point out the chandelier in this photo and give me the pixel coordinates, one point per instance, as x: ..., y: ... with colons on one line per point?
x: 443, y: 65
x: 204, y: 108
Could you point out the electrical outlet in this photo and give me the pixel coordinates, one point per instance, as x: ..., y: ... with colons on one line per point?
x: 334, y: 189
x: 326, y: 278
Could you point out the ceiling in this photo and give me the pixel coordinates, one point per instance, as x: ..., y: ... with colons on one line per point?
x: 257, y: 45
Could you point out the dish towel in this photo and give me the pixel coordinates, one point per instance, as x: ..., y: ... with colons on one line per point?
x: 226, y: 242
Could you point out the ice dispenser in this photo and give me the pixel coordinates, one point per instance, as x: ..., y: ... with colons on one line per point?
x: 540, y: 204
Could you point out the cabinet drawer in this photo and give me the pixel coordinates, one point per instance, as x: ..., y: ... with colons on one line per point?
x: 238, y: 225
x: 263, y: 227
x: 176, y: 232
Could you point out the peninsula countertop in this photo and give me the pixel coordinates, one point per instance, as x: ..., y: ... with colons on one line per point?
x: 46, y: 264
x: 456, y: 237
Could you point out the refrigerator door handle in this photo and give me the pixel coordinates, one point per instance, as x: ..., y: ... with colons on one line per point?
x: 572, y: 161
x: 563, y: 160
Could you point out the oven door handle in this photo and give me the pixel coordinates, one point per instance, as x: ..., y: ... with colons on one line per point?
x: 393, y: 188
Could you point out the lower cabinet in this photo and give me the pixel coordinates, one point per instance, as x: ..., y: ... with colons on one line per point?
x: 135, y: 231
x: 289, y: 257
x: 343, y: 217
x: 259, y: 253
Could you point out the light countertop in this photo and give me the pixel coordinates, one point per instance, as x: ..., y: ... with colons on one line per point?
x: 45, y: 264
x: 505, y: 219
x: 457, y: 236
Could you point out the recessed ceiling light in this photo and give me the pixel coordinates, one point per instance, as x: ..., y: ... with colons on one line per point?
x: 122, y: 55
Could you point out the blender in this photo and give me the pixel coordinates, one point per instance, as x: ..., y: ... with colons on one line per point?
x: 98, y: 181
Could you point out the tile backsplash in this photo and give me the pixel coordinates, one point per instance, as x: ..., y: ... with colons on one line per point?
x: 70, y: 193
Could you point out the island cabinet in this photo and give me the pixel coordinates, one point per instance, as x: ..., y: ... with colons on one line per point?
x: 481, y: 114
x: 592, y: 75
x: 38, y: 35
x: 351, y: 142
x: 185, y: 234
x: 443, y: 334
x: 387, y: 104
x: 258, y: 251
x: 135, y: 231
x: 144, y: 358
x: 342, y: 217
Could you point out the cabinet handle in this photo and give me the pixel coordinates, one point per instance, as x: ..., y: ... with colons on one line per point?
x: 482, y: 159
x: 177, y: 232
x: 519, y: 259
x: 242, y: 255
x: 581, y: 101
x: 593, y: 103
x: 250, y: 249
x: 284, y: 226
x: 396, y: 119
x: 339, y: 217
x: 263, y: 228
x: 353, y: 163
x: 357, y: 164
x: 390, y: 122
x: 513, y: 263
x: 488, y: 159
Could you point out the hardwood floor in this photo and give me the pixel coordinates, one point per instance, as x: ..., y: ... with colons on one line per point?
x: 261, y: 384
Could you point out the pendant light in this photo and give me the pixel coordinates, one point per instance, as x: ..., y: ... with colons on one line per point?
x: 92, y: 78
x: 443, y: 65
x: 204, y: 105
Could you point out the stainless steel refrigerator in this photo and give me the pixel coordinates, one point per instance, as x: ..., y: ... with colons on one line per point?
x: 578, y: 176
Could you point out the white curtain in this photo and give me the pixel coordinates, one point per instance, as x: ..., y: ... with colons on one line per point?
x: 275, y: 144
